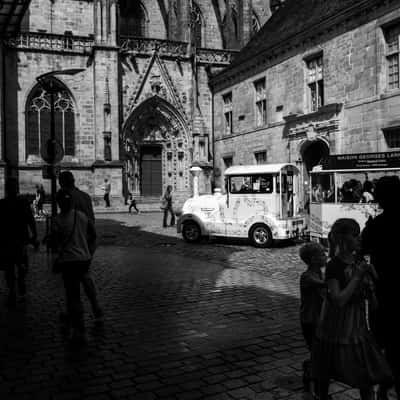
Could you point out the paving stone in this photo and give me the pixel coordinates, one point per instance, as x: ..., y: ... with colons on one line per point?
x: 217, y: 320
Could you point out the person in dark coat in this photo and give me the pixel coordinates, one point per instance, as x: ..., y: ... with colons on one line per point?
x: 17, y: 229
x: 82, y: 202
x: 380, y: 239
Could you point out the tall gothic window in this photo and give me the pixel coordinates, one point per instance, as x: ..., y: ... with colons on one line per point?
x: 235, y: 23
x: 38, y: 121
x: 196, y: 25
x: 132, y: 21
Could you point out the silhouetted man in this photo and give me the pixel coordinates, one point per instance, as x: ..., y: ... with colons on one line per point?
x: 16, y: 220
x: 82, y: 202
x: 380, y: 239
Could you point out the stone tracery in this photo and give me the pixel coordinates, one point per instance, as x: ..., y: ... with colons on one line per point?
x: 156, y: 124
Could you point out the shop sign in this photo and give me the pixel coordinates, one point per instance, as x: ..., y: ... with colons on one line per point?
x: 363, y: 161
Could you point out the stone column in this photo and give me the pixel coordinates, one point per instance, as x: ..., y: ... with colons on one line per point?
x: 246, y: 22
x: 186, y: 7
x: 195, y: 171
x: 113, y: 23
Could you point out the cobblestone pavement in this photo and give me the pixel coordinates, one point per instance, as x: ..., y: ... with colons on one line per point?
x: 216, y: 320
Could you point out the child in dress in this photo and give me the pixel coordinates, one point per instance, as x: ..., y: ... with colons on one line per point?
x: 312, y: 287
x: 344, y: 348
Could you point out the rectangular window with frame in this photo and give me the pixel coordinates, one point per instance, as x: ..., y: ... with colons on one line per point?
x: 228, y: 162
x: 261, y: 157
x: 392, y: 37
x: 260, y: 102
x: 228, y: 117
x: 251, y: 184
x: 315, y: 81
x: 392, y: 137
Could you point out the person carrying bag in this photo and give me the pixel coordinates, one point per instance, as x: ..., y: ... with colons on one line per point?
x: 75, y: 240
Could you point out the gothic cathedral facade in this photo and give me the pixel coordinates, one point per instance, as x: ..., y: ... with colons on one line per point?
x: 134, y: 104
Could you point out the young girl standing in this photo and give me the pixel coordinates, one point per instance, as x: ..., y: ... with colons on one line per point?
x: 344, y: 348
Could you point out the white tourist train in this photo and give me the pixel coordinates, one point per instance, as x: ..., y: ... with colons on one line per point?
x: 260, y: 203
x: 344, y: 188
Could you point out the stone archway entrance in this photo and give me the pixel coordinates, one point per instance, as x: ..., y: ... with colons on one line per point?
x: 312, y: 152
x: 157, y: 150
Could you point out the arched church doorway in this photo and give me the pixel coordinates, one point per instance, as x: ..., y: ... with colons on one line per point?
x: 313, y: 152
x: 151, y: 171
x: 157, y: 152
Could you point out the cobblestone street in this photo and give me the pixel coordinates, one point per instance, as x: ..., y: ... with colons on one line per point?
x: 216, y: 320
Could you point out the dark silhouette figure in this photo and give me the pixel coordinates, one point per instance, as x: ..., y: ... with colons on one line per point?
x: 107, y: 191
x: 312, y: 294
x: 344, y: 348
x: 82, y: 202
x: 167, y: 206
x: 40, y: 198
x: 132, y: 203
x: 17, y: 229
x: 380, y: 239
x: 75, y: 239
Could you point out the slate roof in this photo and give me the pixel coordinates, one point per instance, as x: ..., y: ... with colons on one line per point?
x: 292, y: 19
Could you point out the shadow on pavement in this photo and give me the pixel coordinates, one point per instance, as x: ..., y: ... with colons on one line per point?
x: 180, y: 319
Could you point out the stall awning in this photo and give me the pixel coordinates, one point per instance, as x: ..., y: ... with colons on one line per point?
x: 11, y: 14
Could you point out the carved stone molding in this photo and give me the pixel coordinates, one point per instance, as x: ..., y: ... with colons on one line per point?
x: 215, y: 57
x: 144, y: 46
x: 177, y: 50
x: 320, y: 123
x: 51, y: 42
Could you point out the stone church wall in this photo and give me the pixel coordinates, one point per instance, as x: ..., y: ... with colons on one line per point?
x: 111, y: 81
x: 61, y: 16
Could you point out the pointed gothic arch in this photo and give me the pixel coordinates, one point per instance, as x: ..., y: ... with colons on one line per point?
x: 157, y: 149
x: 37, y: 126
x: 133, y: 18
x: 235, y: 22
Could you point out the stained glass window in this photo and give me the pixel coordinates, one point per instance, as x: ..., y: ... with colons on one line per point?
x: 38, y: 121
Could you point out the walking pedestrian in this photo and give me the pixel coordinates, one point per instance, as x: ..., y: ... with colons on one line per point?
x: 39, y: 200
x: 107, y: 191
x: 82, y: 202
x: 75, y: 238
x: 132, y: 203
x: 17, y: 229
x: 344, y: 348
x: 312, y: 293
x: 380, y: 241
x: 166, y: 205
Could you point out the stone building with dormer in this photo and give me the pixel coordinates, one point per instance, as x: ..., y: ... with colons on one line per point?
x: 320, y: 78
x: 133, y: 103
